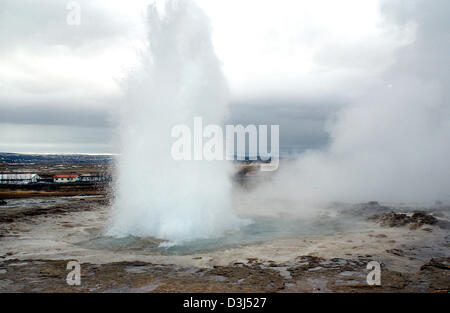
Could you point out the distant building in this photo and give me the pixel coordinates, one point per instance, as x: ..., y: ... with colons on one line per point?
x: 94, y: 178
x: 65, y: 178
x: 19, y: 179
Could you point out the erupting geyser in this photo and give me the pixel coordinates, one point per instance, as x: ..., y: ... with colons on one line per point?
x: 180, y: 78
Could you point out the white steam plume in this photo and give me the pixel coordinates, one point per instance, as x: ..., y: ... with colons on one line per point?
x: 180, y: 78
x: 393, y: 143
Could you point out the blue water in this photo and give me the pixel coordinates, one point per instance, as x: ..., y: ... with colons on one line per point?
x: 260, y: 230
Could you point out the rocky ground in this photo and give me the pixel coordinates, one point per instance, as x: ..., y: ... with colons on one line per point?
x: 37, y: 240
x: 304, y: 274
x: 49, y: 206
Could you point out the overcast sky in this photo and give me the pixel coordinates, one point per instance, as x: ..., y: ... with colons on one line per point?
x: 294, y: 63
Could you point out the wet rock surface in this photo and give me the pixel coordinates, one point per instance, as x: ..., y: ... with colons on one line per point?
x: 20, y: 213
x: 393, y: 219
x: 306, y: 274
x: 440, y: 263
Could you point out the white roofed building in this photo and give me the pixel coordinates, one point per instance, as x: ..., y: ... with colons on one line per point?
x: 19, y: 179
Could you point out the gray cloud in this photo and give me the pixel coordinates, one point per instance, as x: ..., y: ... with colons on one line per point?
x: 64, y: 115
x: 40, y: 24
x: 46, y: 100
x: 303, y: 121
x: 304, y: 106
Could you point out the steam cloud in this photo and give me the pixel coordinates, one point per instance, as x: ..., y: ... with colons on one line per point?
x: 391, y: 144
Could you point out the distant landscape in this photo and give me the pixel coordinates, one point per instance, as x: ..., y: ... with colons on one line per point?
x: 20, y: 158
x: 37, y: 175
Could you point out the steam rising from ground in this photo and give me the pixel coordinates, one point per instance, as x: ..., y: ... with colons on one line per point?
x: 393, y: 147
x: 393, y: 142
x: 180, y: 78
